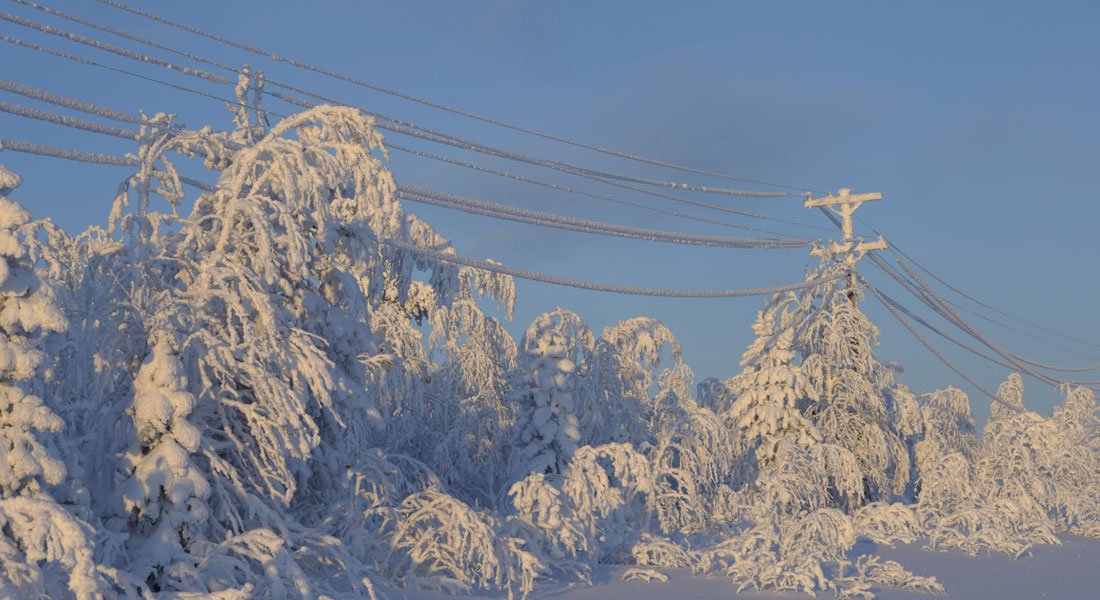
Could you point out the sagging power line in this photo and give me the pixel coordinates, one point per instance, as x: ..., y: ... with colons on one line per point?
x: 417, y: 132
x: 375, y: 87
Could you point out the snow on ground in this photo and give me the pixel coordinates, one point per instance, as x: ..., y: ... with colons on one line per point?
x: 1067, y: 572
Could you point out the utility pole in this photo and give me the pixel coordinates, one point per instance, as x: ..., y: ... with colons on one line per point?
x: 850, y: 248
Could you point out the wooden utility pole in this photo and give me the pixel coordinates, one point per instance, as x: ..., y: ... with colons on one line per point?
x: 850, y: 248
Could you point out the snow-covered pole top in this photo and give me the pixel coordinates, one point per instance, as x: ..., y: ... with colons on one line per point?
x: 845, y: 204
x: 850, y: 249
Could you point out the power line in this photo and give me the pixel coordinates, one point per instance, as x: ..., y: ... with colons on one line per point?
x: 485, y: 208
x: 398, y: 127
x: 301, y: 103
x: 86, y: 61
x: 29, y: 91
x: 992, y: 308
x: 1021, y: 331
x: 557, y: 165
x: 495, y: 267
x: 926, y: 295
x: 1014, y: 360
x: 920, y: 320
x: 104, y: 46
x: 98, y: 110
x: 67, y: 121
x: 414, y: 131
x: 523, y: 215
x: 943, y: 309
x: 398, y: 94
x: 567, y: 189
x: 898, y: 250
x: 106, y: 159
x: 87, y: 157
x: 943, y: 359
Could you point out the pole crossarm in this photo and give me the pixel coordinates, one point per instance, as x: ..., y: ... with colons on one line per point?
x: 848, y: 248
x: 844, y: 196
x: 844, y: 204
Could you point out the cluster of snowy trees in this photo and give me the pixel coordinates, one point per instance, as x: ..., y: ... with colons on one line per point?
x: 257, y: 396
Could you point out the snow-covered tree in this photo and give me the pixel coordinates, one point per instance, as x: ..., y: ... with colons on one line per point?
x: 544, y: 389
x: 854, y: 409
x: 163, y: 495
x: 948, y: 427
x: 39, y: 537
x: 695, y: 460
x: 468, y: 393
x: 772, y: 392
x: 1044, y: 464
x: 614, y: 393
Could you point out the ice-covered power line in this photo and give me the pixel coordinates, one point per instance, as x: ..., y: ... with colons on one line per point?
x: 67, y: 121
x: 941, y: 307
x: 407, y: 129
x: 378, y: 88
x: 106, y: 112
x: 87, y: 157
x: 989, y: 307
x: 90, y: 108
x: 513, y: 213
x: 936, y: 330
x: 926, y: 295
x: 104, y: 46
x: 391, y: 146
x: 106, y: 159
x: 1011, y: 360
x: 65, y: 153
x: 480, y: 207
x: 557, y: 165
x: 416, y: 130
x: 921, y: 295
x: 92, y: 63
x: 894, y: 248
x: 943, y: 359
x: 495, y: 267
x: 1022, y: 332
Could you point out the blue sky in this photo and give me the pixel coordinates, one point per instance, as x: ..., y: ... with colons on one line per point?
x: 978, y: 121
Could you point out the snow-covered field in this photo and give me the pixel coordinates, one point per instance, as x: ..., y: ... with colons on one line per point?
x: 1066, y: 572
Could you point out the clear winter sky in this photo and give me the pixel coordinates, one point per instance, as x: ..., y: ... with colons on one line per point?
x: 978, y: 120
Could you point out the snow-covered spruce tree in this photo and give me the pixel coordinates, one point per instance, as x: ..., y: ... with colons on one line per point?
x: 771, y: 392
x: 45, y: 551
x: 836, y: 341
x: 544, y: 387
x: 163, y: 494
